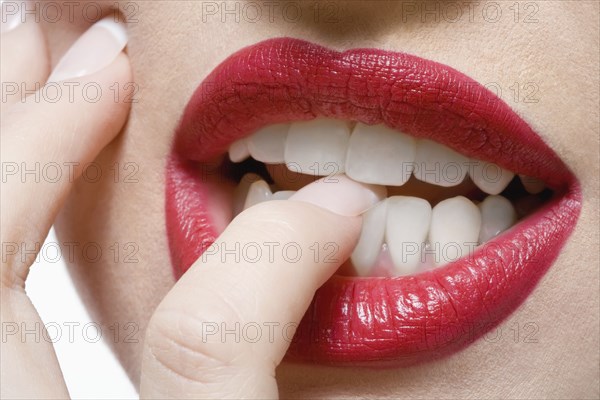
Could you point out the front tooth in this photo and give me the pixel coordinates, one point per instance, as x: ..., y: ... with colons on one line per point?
x: 497, y: 215
x: 259, y: 191
x: 532, y: 185
x: 283, y: 195
x: 408, y: 220
x: 439, y: 165
x: 241, y: 192
x: 317, y: 147
x: 454, y: 230
x: 371, y: 239
x: 379, y: 155
x: 489, y: 177
x: 268, y: 144
x: 238, y: 151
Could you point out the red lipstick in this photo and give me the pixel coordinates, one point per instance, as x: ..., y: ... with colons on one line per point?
x: 375, y: 321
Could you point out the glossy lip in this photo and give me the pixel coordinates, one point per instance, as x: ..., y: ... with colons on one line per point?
x: 375, y: 321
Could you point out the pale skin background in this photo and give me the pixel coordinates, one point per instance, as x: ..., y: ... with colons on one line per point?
x: 171, y: 51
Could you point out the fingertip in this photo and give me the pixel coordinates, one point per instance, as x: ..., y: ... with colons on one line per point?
x: 297, y: 219
x: 95, y: 49
x: 341, y: 195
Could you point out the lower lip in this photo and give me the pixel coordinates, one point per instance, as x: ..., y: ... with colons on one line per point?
x: 392, y: 322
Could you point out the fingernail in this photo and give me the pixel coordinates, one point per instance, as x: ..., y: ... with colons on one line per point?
x: 11, y: 15
x: 94, y: 50
x: 341, y: 195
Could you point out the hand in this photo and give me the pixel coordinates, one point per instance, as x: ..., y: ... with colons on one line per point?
x: 215, y: 292
x: 61, y: 133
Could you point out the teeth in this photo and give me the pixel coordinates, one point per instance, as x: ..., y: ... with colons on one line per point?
x: 371, y: 239
x: 407, y: 225
x: 283, y: 195
x: 395, y: 230
x: 454, y: 230
x: 532, y: 185
x: 317, y: 147
x: 238, y: 151
x: 268, y: 144
x: 379, y: 155
x: 241, y: 192
x: 258, y: 192
x: 439, y: 165
x: 489, y: 177
x: 497, y: 215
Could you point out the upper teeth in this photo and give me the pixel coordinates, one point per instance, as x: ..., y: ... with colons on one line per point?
x: 489, y: 177
x: 370, y: 154
x: 268, y: 144
x: 434, y: 160
x: 317, y: 147
x: 532, y: 185
x: 238, y: 151
x: 379, y: 155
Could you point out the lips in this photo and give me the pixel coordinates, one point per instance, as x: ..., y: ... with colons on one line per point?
x: 373, y: 321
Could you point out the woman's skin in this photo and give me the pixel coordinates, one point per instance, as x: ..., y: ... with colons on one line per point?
x: 172, y: 46
x: 175, y: 363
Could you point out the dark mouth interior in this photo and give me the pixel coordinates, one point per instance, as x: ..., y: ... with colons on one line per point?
x: 524, y: 202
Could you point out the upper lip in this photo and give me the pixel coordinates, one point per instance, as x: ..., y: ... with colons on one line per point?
x: 283, y: 80
x: 391, y: 320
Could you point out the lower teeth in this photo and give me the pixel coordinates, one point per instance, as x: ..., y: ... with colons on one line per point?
x: 403, y: 235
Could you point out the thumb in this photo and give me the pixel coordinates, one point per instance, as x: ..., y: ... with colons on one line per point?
x: 227, y: 323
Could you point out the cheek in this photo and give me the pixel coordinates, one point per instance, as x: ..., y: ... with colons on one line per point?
x: 115, y: 218
x: 115, y: 214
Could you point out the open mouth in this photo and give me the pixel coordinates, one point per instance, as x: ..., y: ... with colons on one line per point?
x: 473, y: 201
x: 474, y: 206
